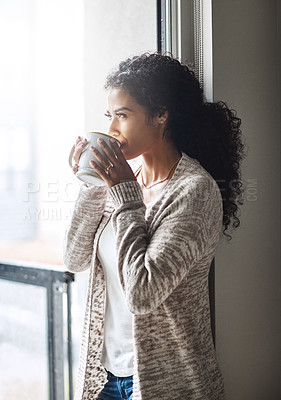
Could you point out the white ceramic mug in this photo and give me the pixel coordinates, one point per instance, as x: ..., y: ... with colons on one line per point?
x: 85, y: 172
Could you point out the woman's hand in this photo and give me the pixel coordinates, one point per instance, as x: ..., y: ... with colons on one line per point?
x: 115, y: 168
x: 79, y: 147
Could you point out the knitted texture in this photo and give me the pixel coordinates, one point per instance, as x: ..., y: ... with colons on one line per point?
x: 164, y: 252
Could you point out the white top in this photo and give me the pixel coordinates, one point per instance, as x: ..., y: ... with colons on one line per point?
x: 117, y: 353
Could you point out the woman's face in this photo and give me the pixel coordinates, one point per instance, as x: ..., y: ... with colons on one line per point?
x: 128, y: 123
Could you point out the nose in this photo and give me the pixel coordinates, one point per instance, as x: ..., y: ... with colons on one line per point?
x: 113, y: 129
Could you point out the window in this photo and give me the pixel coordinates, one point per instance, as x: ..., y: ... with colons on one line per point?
x: 55, y: 57
x: 42, y: 110
x: 185, y: 30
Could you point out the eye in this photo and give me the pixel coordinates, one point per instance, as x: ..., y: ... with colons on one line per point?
x: 108, y: 116
x: 121, y: 115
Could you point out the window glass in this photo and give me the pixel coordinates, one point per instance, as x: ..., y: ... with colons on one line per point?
x: 41, y: 110
x: 24, y: 341
x: 55, y: 57
x: 114, y: 30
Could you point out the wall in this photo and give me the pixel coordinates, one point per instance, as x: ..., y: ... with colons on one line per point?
x: 246, y: 72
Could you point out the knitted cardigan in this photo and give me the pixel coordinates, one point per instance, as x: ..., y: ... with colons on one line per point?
x: 164, y: 253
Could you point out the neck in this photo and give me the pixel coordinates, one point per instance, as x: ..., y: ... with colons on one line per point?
x: 157, y: 164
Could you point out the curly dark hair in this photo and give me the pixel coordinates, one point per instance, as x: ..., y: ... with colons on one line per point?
x: 208, y: 132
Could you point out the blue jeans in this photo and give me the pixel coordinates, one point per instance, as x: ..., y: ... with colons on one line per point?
x: 117, y: 388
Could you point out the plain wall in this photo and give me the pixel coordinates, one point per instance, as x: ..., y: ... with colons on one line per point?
x: 246, y: 76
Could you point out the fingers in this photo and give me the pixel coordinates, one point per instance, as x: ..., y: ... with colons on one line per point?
x: 113, y: 152
x: 78, y: 140
x: 107, y: 150
x: 79, y: 146
x: 104, y: 161
x: 100, y: 171
x: 120, y: 170
x: 75, y: 168
x: 107, y: 155
x: 107, y: 158
x: 117, y: 150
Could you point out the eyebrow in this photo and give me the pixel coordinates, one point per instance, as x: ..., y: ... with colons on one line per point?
x: 123, y: 109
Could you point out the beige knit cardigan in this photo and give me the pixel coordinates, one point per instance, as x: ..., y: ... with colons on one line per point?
x: 164, y: 252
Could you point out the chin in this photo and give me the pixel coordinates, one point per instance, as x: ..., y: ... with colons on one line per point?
x: 129, y: 157
x: 127, y: 154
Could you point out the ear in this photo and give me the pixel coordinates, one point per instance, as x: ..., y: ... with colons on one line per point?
x: 162, y: 116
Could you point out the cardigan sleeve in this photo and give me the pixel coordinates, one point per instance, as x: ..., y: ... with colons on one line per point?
x: 79, y: 237
x: 151, y: 267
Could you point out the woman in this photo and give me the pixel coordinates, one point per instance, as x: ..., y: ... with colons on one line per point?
x: 149, y: 236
